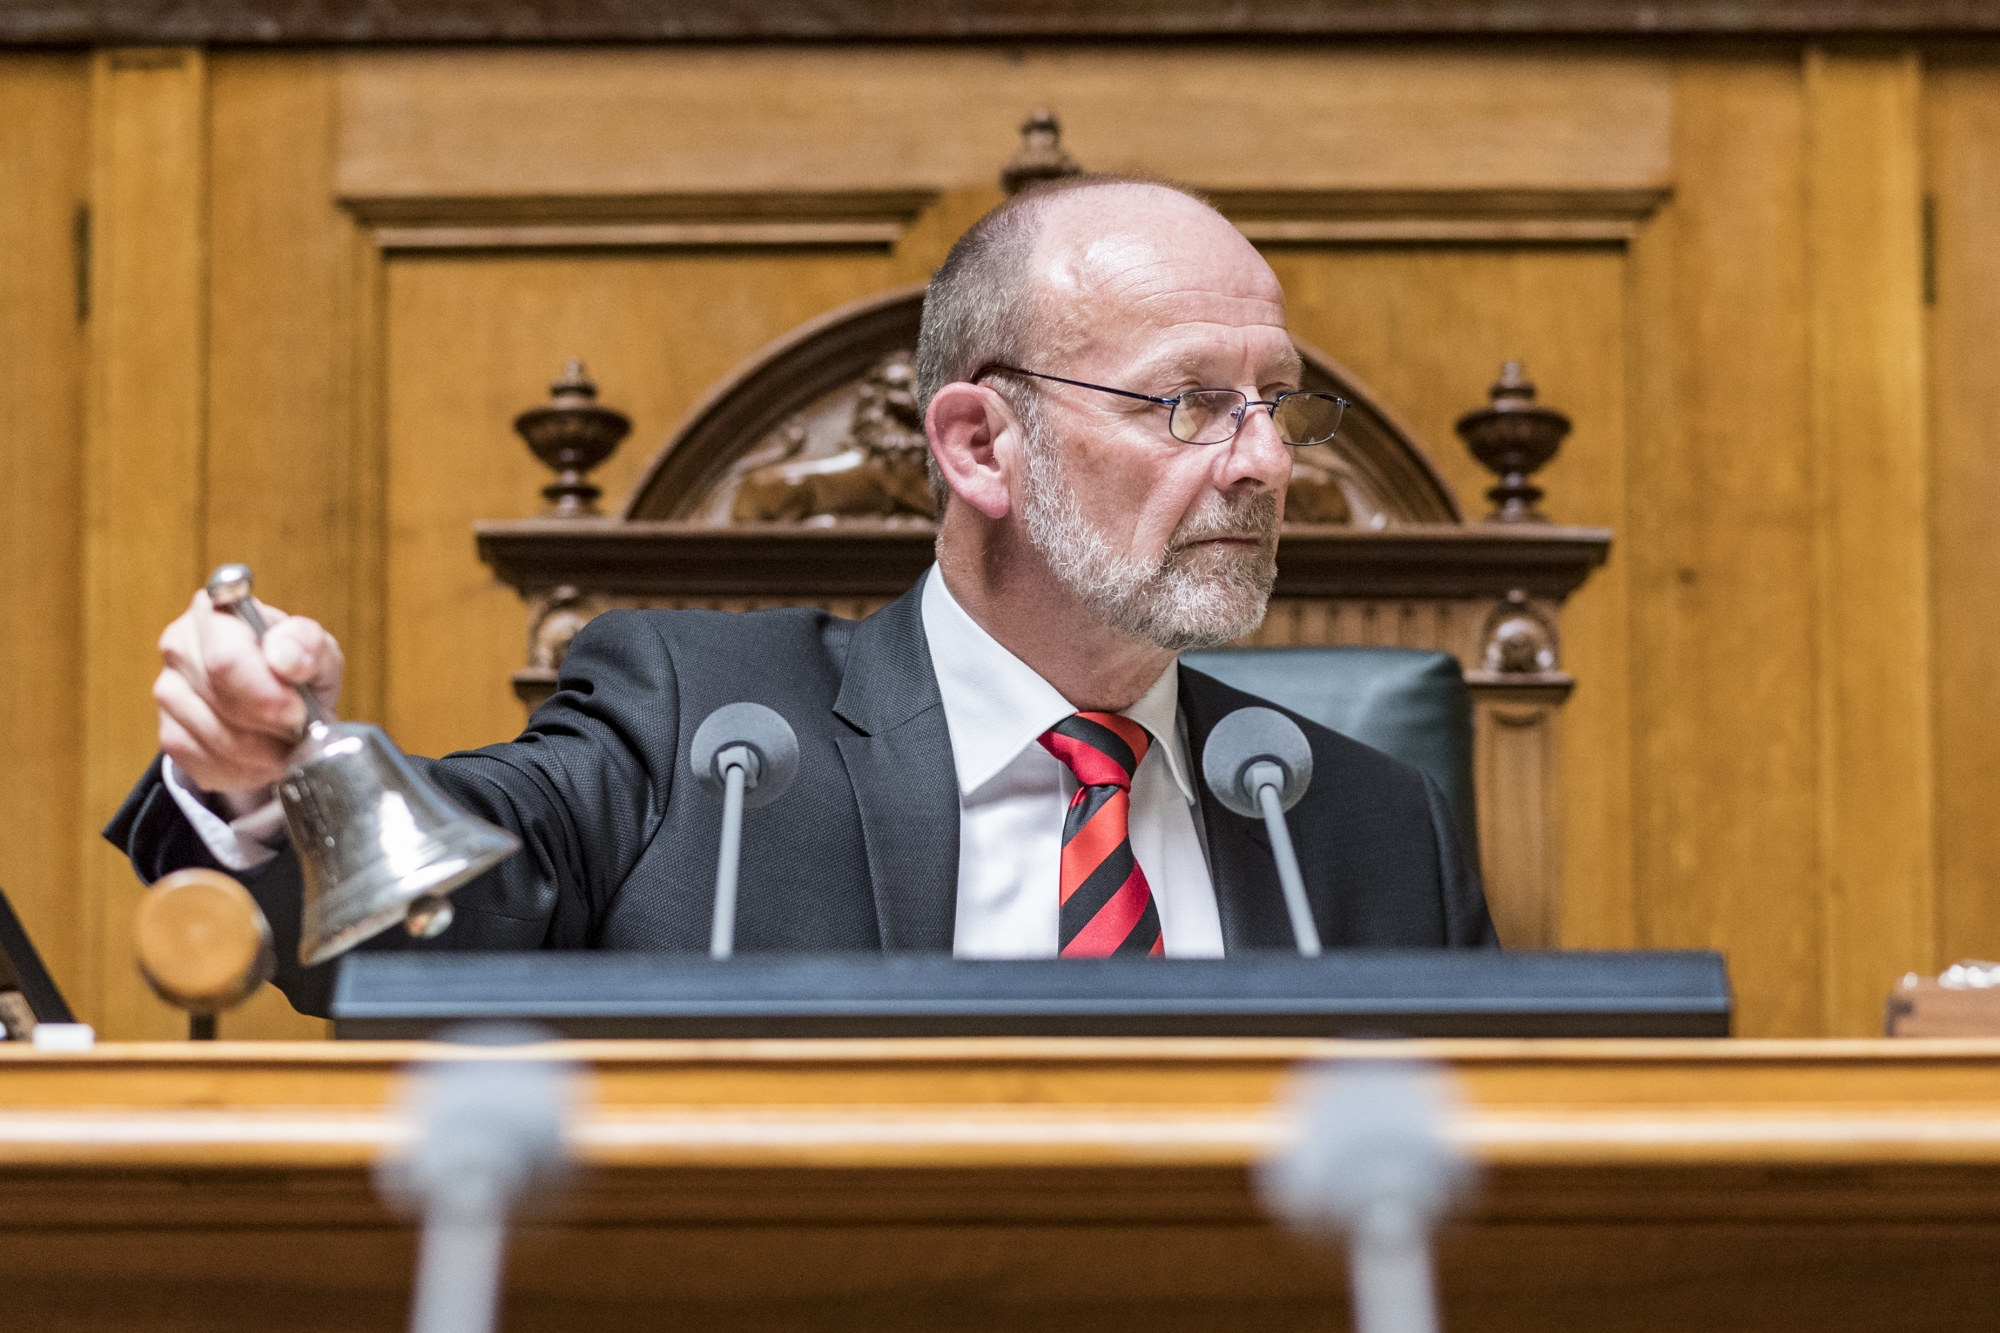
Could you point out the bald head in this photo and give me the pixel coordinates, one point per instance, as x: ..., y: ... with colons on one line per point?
x: 1107, y: 263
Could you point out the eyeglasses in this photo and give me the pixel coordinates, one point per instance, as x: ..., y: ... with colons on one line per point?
x: 1213, y: 416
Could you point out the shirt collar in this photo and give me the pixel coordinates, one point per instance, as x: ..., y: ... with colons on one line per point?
x: 995, y: 706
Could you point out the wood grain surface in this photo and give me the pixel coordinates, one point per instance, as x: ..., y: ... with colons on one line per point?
x: 1780, y: 740
x: 1721, y: 544
x: 352, y: 21
x: 44, y: 127
x: 994, y: 1183
x: 1962, y: 107
x: 1871, y: 495
x: 144, y: 451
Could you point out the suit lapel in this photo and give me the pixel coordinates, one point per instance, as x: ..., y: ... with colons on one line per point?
x: 899, y: 761
x: 1247, y: 894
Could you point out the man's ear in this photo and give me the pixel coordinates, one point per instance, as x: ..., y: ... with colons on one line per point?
x: 970, y: 429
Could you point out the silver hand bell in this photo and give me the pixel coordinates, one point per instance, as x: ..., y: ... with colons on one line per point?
x: 377, y: 843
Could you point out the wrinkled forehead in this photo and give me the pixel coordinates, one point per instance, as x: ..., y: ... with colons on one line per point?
x: 1130, y: 263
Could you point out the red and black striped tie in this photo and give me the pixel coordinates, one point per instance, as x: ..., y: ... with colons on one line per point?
x: 1107, y: 906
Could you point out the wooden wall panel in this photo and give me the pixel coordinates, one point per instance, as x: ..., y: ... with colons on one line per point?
x: 473, y: 341
x: 1780, y: 744
x: 1724, y: 716
x: 146, y: 414
x: 1427, y: 328
x: 638, y: 121
x: 44, y: 125
x: 1963, y: 104
x: 287, y: 484
x: 1871, y: 498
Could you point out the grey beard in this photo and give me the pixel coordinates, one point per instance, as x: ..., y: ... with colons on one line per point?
x: 1172, y: 602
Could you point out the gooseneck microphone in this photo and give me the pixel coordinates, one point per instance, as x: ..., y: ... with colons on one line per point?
x: 1258, y: 763
x: 1374, y: 1158
x: 749, y: 754
x: 487, y: 1134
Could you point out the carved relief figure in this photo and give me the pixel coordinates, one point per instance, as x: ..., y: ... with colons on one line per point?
x: 562, y: 613
x: 879, y: 472
x: 1315, y: 494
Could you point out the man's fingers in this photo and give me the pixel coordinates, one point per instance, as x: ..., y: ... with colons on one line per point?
x: 300, y: 650
x: 231, y: 671
x: 215, y: 757
x: 228, y: 717
x: 218, y: 656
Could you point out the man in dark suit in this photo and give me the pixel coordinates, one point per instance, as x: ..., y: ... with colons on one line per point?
x: 1001, y: 763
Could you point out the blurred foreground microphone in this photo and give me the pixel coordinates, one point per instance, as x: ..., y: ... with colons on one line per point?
x: 749, y: 754
x: 1370, y: 1160
x: 377, y: 843
x: 1258, y: 763
x: 487, y: 1132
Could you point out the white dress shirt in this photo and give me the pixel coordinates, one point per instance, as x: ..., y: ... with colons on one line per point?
x: 239, y: 844
x: 1012, y: 798
x: 1013, y: 795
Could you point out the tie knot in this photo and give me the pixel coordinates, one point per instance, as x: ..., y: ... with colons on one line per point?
x: 1102, y: 749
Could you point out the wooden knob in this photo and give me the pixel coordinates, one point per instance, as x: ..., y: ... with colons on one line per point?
x: 202, y: 941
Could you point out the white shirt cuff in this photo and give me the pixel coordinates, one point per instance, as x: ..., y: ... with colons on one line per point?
x: 239, y: 844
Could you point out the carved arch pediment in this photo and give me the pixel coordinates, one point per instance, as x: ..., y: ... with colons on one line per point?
x: 831, y: 388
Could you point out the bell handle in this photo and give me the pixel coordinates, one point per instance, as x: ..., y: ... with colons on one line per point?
x: 229, y: 590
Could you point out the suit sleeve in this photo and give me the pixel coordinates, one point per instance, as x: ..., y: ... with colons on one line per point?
x: 584, y: 787
x: 1467, y: 922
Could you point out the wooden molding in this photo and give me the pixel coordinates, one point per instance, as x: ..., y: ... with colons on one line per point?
x: 353, y: 22
x: 1319, y: 217
x: 867, y: 559
x: 878, y: 218
x: 873, y: 219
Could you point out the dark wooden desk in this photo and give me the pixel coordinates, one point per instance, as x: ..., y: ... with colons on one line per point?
x: 1012, y: 1185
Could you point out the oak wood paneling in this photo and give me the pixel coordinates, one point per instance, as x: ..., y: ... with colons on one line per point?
x: 1427, y: 328
x: 1784, y: 674
x: 455, y: 22
x: 285, y: 484
x: 1963, y: 105
x: 44, y: 124
x: 1871, y: 476
x: 801, y: 119
x: 1724, y: 717
x: 465, y: 338
x: 146, y: 417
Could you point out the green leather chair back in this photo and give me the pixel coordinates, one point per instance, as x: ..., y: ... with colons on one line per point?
x: 1406, y: 702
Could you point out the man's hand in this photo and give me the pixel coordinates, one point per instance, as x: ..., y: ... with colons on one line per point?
x: 229, y: 717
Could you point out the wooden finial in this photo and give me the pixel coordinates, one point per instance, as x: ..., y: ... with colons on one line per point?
x: 1040, y: 157
x: 572, y: 435
x: 1514, y: 438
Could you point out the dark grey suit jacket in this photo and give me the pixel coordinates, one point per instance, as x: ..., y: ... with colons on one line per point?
x: 862, y: 852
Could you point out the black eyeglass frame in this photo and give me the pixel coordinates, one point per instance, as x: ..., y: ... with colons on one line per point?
x: 1239, y: 414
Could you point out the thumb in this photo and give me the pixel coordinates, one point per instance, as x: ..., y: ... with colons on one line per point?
x: 293, y: 648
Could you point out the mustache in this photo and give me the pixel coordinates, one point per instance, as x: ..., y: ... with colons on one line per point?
x: 1230, y: 516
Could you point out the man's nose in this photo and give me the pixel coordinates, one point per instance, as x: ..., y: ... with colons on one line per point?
x: 1257, y: 455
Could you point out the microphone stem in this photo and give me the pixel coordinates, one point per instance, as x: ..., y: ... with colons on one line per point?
x: 1303, y: 928
x: 1389, y: 1270
x: 459, y: 1266
x: 722, y: 934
